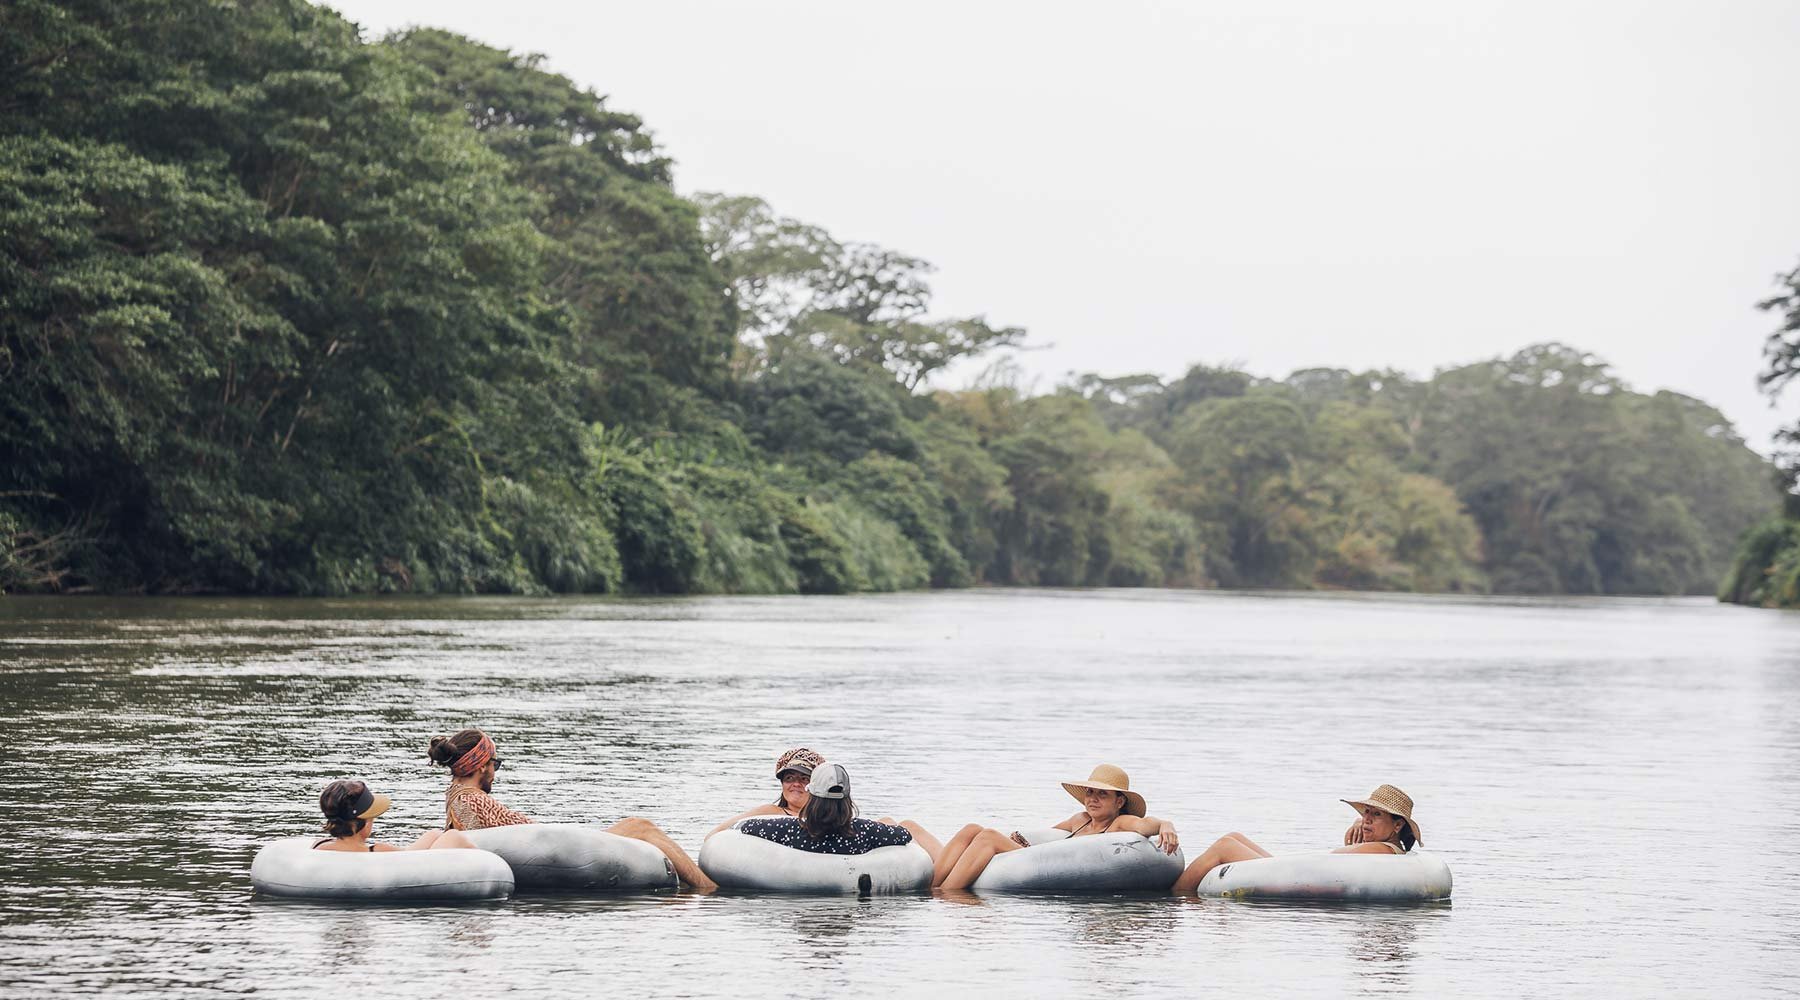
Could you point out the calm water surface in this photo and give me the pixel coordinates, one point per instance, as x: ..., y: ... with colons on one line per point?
x: 1616, y: 785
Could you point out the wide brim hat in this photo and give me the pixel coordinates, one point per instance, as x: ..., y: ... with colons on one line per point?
x: 1392, y: 800
x: 1108, y: 778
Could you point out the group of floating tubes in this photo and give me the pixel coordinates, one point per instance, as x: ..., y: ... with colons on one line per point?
x: 552, y: 857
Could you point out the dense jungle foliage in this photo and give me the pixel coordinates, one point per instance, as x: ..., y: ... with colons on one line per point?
x: 285, y: 311
x: 1766, y: 568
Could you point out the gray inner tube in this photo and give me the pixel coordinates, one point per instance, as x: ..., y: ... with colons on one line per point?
x: 1102, y: 862
x: 739, y: 861
x: 1387, y: 878
x: 292, y: 868
x: 566, y: 857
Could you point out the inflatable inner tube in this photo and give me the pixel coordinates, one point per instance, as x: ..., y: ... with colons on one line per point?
x: 567, y: 857
x: 1103, y: 862
x: 1387, y: 878
x: 739, y: 861
x: 291, y: 867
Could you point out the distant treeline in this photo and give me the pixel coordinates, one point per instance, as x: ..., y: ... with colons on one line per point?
x: 1766, y: 569
x: 282, y: 311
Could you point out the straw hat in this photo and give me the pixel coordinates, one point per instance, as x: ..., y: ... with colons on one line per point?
x: 1389, y: 799
x: 1109, y: 779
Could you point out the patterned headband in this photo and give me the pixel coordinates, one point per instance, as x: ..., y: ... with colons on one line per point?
x: 475, y: 758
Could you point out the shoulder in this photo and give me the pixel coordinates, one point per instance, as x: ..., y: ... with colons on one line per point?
x: 767, y: 824
x: 1379, y: 847
x: 1071, y: 822
x: 1137, y: 824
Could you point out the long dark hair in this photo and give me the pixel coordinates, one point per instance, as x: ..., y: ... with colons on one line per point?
x: 445, y: 750
x: 1407, y: 840
x: 338, y: 803
x: 823, y: 816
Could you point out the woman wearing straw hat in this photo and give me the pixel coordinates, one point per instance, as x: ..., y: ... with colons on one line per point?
x: 1386, y: 827
x: 1107, y: 805
x: 793, y: 770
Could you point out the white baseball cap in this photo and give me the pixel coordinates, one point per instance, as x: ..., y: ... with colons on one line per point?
x: 829, y: 781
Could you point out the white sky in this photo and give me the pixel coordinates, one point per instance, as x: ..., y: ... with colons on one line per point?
x: 1272, y: 184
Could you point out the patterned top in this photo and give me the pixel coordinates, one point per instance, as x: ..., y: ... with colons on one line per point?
x: 865, y: 835
x: 469, y: 808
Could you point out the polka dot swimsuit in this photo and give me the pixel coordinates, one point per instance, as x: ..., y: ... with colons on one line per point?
x: 865, y: 836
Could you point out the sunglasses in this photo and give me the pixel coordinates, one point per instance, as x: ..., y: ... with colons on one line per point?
x: 788, y: 777
x: 497, y: 763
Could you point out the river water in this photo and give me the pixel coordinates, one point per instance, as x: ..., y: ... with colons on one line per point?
x: 1615, y: 784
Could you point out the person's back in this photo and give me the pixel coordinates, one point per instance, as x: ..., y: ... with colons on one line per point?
x: 864, y: 835
x: 827, y: 824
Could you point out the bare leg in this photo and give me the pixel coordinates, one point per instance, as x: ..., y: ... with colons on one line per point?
x: 638, y: 828
x: 1247, y: 842
x: 947, y: 856
x: 452, y: 839
x: 426, y: 840
x: 975, y: 860
x: 1225, y: 850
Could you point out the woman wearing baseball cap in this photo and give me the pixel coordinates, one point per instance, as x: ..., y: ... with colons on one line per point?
x: 350, y: 808
x: 793, y: 770
x: 827, y: 824
x: 1386, y: 827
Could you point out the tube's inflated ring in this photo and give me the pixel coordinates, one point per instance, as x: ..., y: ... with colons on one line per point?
x: 567, y: 857
x: 1101, y: 862
x: 291, y: 867
x: 739, y: 861
x: 1389, y: 878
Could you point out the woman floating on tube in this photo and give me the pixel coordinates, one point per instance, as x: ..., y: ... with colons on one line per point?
x: 1108, y: 805
x: 469, y: 804
x: 1386, y: 827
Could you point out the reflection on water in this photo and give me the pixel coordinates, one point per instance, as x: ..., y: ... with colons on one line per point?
x: 1382, y: 947
x: 1553, y: 748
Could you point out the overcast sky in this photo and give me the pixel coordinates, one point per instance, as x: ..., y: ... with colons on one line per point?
x: 1144, y: 186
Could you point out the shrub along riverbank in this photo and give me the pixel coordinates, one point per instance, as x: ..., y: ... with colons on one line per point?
x: 284, y: 311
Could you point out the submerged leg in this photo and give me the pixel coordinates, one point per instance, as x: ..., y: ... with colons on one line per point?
x: 1225, y: 850
x: 638, y: 828
x: 975, y: 860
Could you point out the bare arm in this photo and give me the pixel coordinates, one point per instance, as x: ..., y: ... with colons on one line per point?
x: 1150, y: 826
x: 1072, y: 823
x: 762, y: 810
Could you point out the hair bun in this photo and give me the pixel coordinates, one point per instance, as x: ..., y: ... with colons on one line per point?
x: 442, y: 752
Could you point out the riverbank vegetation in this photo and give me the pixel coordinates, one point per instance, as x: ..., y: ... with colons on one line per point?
x: 285, y: 311
x: 1765, y: 570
